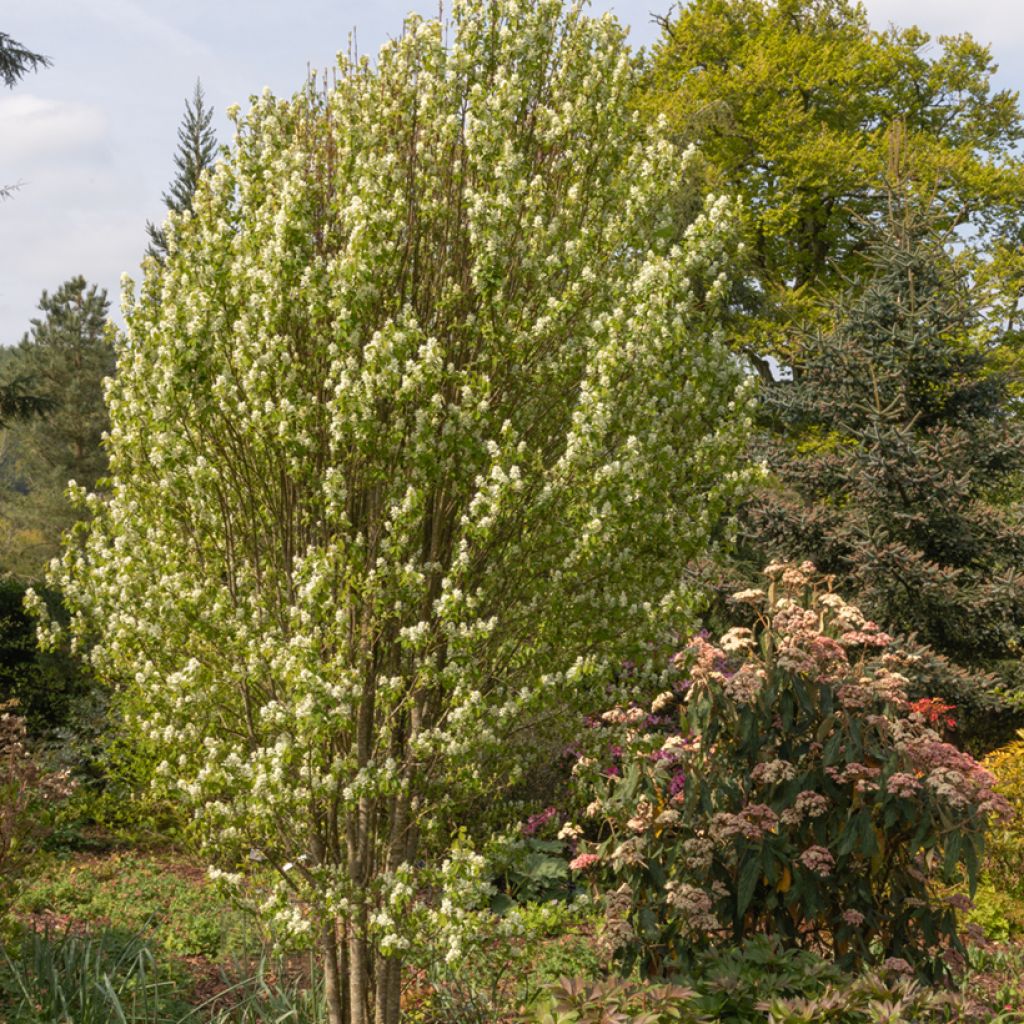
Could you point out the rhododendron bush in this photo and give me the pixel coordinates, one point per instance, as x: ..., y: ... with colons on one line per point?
x: 426, y: 409
x: 783, y: 784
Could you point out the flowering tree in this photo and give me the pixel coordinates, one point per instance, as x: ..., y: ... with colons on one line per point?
x: 425, y: 411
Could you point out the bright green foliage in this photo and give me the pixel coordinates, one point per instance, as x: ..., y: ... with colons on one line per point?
x: 165, y: 897
x: 996, y: 910
x: 426, y: 410
x: 785, y: 787
x: 67, y: 354
x: 804, y: 111
x: 197, y: 147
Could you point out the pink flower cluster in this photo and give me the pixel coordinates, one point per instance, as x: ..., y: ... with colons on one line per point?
x: 819, y: 860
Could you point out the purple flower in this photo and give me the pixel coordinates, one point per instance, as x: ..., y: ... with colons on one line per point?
x: 537, y: 821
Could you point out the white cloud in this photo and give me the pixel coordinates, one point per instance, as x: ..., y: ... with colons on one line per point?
x: 32, y: 127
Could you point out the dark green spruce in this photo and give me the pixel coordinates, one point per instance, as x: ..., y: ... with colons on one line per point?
x: 896, y: 461
x: 197, y: 147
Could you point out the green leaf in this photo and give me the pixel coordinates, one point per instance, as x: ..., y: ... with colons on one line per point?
x: 747, y: 884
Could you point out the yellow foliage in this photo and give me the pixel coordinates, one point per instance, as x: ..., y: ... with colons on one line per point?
x: 1004, y: 860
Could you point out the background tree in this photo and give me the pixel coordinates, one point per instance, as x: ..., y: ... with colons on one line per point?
x: 16, y: 61
x: 793, y: 104
x: 197, y: 146
x: 18, y: 400
x: 67, y: 353
x: 425, y: 412
x: 898, y: 458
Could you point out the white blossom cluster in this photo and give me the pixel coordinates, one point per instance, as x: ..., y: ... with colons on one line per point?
x: 416, y: 427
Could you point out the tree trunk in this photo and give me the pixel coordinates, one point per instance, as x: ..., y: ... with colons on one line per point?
x: 334, y: 981
x: 358, y: 971
x: 389, y: 991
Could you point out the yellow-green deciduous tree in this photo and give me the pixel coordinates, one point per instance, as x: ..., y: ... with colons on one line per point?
x: 801, y: 108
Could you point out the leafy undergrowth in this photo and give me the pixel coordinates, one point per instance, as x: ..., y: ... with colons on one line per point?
x: 144, y: 937
x: 162, y: 896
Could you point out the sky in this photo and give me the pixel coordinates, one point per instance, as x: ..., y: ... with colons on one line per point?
x: 92, y: 138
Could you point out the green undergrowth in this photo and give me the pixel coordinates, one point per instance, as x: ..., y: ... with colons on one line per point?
x: 167, y: 899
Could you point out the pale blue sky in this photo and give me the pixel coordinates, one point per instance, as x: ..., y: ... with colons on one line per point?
x: 92, y: 137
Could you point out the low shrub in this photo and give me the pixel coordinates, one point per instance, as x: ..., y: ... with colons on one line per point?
x: 782, y: 784
x: 26, y: 791
x: 803, y: 990
x: 1004, y: 855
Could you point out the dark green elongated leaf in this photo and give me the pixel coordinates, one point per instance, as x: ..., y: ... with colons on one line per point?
x: 747, y: 884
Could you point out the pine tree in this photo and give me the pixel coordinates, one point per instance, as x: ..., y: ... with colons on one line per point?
x: 897, y: 458
x: 197, y: 146
x: 16, y: 61
x: 67, y: 353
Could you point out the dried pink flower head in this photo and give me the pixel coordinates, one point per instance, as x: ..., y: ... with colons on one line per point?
x: 819, y: 860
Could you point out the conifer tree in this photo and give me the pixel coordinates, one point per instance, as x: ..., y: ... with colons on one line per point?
x: 67, y: 353
x: 197, y: 146
x: 16, y: 61
x: 18, y: 398
x: 898, y: 458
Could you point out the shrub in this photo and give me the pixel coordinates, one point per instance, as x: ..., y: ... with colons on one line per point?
x: 782, y: 784
x: 24, y: 790
x: 1004, y: 860
x: 48, y: 685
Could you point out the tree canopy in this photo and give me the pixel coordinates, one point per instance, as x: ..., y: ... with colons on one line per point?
x: 424, y: 414
x: 797, y: 106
